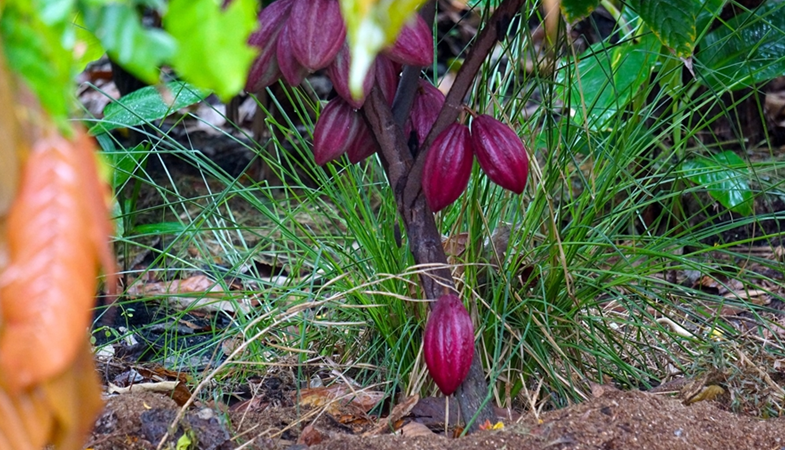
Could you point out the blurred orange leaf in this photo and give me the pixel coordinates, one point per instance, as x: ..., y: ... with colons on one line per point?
x: 57, y: 232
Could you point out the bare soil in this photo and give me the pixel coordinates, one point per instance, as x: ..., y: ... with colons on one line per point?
x: 612, y: 420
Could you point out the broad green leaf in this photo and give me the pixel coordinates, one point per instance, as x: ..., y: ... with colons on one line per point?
x: 673, y: 21
x: 724, y: 176
x: 35, y: 51
x: 607, y: 78
x: 748, y: 49
x: 578, y: 9
x: 370, y: 25
x: 147, y: 105
x: 213, y: 51
x: 139, y: 50
x: 709, y: 11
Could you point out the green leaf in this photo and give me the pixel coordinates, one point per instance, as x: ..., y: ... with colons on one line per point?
x: 673, y: 21
x: 35, y: 51
x: 159, y: 228
x: 578, y: 9
x: 607, y: 78
x: 724, y: 176
x: 213, y: 43
x: 146, y: 105
x: 124, y: 161
x: 748, y: 49
x: 87, y: 48
x: 709, y: 11
x: 370, y: 25
x: 139, y: 50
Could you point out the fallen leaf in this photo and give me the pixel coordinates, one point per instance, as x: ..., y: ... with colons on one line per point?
x: 399, y: 411
x: 708, y: 393
x: 413, y: 429
x: 310, y: 436
x: 340, y: 394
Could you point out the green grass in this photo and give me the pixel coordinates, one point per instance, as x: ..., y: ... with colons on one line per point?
x: 598, y: 280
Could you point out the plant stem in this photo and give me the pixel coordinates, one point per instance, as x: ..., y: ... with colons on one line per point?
x: 405, y: 177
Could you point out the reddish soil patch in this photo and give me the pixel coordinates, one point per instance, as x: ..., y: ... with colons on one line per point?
x: 614, y: 420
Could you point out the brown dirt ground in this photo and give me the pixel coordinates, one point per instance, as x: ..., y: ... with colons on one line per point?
x: 612, y: 420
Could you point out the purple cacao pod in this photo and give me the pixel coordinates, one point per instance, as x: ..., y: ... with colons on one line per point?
x: 293, y: 72
x: 414, y: 46
x: 387, y: 77
x: 362, y: 145
x: 500, y: 152
x: 338, y: 72
x: 448, y: 343
x: 316, y: 31
x: 448, y: 167
x: 264, y: 69
x: 335, y: 129
x: 428, y: 101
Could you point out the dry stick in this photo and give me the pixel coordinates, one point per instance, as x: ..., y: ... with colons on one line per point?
x: 406, y: 181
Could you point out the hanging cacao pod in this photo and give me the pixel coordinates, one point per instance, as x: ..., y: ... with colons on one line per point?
x: 316, y: 32
x: 448, y: 167
x: 338, y: 72
x: 428, y: 102
x: 264, y: 69
x: 335, y: 129
x: 293, y: 72
x: 362, y: 145
x: 387, y: 77
x: 500, y: 152
x: 414, y: 46
x: 448, y: 343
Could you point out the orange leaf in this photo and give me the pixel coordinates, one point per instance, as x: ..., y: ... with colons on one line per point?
x: 56, y: 233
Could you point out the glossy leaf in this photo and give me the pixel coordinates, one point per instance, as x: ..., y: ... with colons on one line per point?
x: 673, y: 21
x: 724, y: 176
x: 609, y: 77
x: 147, y: 105
x: 745, y: 50
x: 202, y: 25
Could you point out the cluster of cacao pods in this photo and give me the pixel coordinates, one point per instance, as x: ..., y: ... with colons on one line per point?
x: 448, y: 165
x: 448, y: 344
x: 297, y: 37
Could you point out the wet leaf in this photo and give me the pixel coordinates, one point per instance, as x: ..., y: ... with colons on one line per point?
x: 673, y: 21
x: 745, y: 50
x: 724, y: 176
x: 147, y: 105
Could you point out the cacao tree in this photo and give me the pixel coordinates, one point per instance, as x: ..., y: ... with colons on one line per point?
x: 424, y: 182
